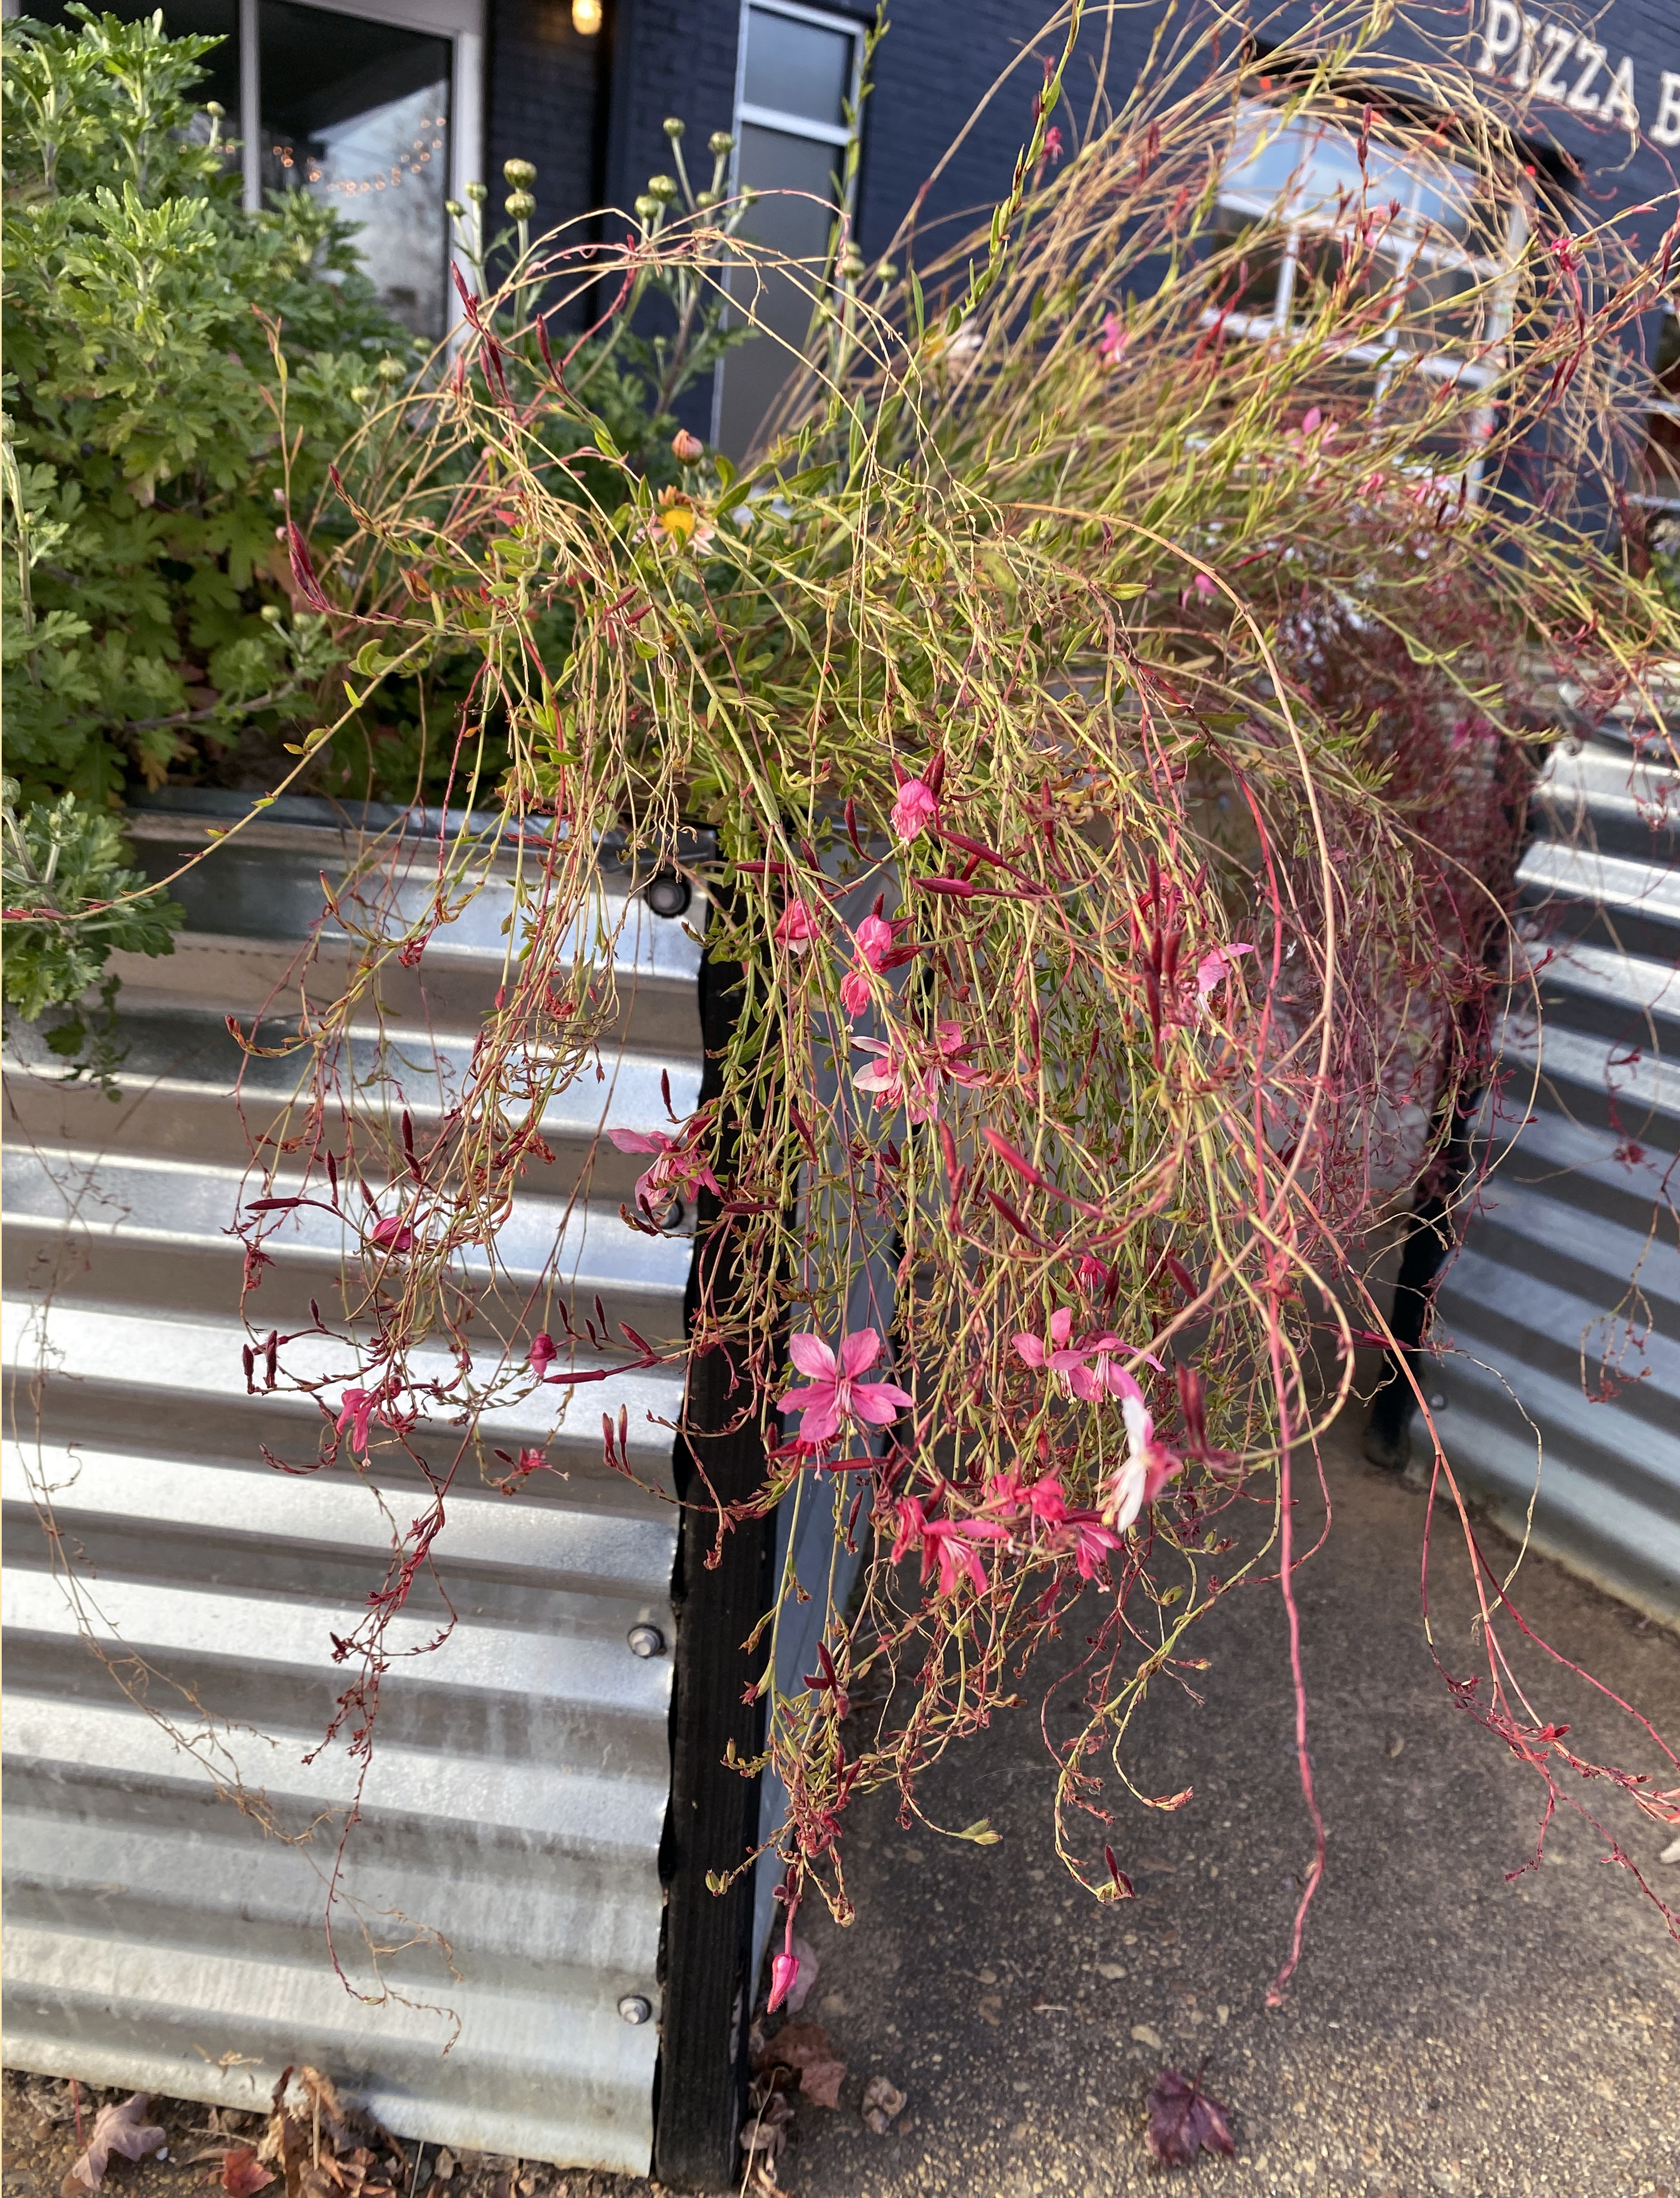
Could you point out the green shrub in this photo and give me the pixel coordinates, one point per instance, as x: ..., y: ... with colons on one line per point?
x: 176, y: 368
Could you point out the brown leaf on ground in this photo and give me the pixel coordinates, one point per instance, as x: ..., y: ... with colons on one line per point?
x: 807, y: 2049
x: 243, y: 2173
x: 120, y: 2128
x: 1185, y: 2122
x: 882, y: 2101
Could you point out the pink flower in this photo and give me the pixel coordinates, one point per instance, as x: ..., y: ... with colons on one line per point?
x: 912, y: 1525
x: 915, y: 810
x: 531, y: 1461
x: 797, y: 928
x: 956, y: 1545
x: 678, y: 1168
x: 896, y: 1082
x: 1092, y: 1275
x: 784, y: 1972
x: 1112, y: 338
x: 1046, y: 1501
x: 1058, y: 1356
x: 1149, y: 1464
x: 543, y: 1353
x: 1092, y: 1541
x: 354, y: 1413
x: 1058, y: 1353
x: 1216, y: 965
x: 1206, y: 585
x: 875, y: 942
x: 1053, y: 146
x: 835, y: 1393
x: 392, y: 1234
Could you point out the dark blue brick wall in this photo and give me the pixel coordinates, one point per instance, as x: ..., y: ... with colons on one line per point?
x: 546, y: 91
x: 671, y: 57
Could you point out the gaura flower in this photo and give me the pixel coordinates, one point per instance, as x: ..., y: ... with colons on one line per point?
x: 912, y: 1525
x: 1091, y: 1541
x: 797, y: 928
x: 915, y: 808
x: 354, y: 1413
x: 543, y: 1353
x: 1216, y: 965
x: 875, y: 943
x: 897, y: 1082
x: 784, y: 1975
x: 834, y: 1392
x: 679, y: 1168
x: 1057, y: 1352
x: 678, y: 523
x: 955, y: 1546
x: 1112, y: 339
x: 392, y: 1234
x: 1149, y: 1464
x: 1053, y: 145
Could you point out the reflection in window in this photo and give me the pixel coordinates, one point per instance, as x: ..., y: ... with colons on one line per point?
x: 358, y: 113
x: 798, y: 74
x: 1436, y: 288
x: 1654, y: 477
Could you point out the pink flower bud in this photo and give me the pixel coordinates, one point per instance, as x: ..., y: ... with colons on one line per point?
x: 543, y: 1353
x: 784, y: 1971
x: 855, y: 992
x: 915, y: 810
x: 688, y: 450
x: 392, y: 1234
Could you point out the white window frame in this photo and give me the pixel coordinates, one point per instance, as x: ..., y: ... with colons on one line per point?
x: 460, y: 21
x: 790, y: 126
x: 1411, y: 243
x: 1659, y: 406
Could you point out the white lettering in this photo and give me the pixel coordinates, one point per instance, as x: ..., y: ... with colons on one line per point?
x: 1620, y: 103
x: 1520, y: 73
x: 1580, y: 99
x: 1549, y: 84
x: 1500, y: 35
x: 1665, y: 130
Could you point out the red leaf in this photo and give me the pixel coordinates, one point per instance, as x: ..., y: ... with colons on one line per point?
x: 243, y: 2172
x: 122, y: 2129
x: 1185, y: 2122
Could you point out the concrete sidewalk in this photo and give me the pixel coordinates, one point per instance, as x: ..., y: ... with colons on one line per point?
x: 1447, y: 2031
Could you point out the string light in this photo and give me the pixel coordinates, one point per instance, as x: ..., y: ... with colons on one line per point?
x: 586, y: 17
x: 413, y: 161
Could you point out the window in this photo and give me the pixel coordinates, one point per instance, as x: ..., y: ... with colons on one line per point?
x: 374, y: 110
x: 1438, y: 284
x: 796, y: 83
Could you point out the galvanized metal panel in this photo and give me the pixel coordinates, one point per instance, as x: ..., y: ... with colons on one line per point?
x: 171, y: 1637
x: 1570, y: 1261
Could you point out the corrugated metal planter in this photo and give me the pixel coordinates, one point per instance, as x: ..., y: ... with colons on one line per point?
x: 528, y: 1877
x: 1560, y: 1398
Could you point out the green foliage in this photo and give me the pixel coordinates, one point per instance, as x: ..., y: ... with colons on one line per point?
x: 66, y: 883
x: 175, y: 367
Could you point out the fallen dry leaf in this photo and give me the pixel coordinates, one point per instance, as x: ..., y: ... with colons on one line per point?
x: 990, y: 2009
x: 243, y: 2173
x: 1185, y: 2122
x: 882, y: 2102
x: 122, y: 2129
x: 807, y: 2049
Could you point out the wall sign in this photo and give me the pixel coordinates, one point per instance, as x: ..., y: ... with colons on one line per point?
x: 1555, y: 61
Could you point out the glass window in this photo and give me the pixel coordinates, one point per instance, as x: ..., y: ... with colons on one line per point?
x: 1436, y: 285
x: 358, y: 113
x: 797, y: 79
x: 1654, y: 477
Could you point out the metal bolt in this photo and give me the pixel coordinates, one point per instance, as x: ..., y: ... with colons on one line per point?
x: 669, y: 893
x: 636, y: 2010
x: 644, y: 1640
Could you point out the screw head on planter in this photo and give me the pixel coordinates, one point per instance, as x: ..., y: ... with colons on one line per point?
x: 646, y: 1641
x: 636, y: 2010
x: 669, y: 893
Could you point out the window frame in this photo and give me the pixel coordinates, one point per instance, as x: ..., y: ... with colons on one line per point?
x: 747, y: 114
x: 460, y: 21
x: 1412, y: 244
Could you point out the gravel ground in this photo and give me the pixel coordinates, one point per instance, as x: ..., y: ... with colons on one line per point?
x: 1449, y: 2030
